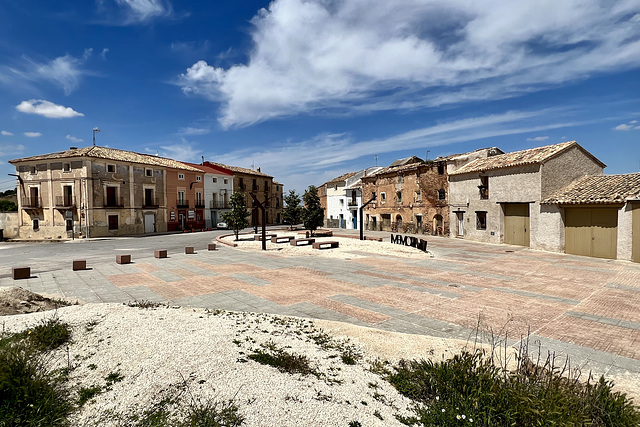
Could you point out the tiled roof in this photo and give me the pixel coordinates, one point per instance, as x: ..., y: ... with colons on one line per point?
x: 406, y: 161
x: 598, y: 190
x: 342, y: 177
x: 238, y: 169
x: 520, y: 158
x: 110, y: 154
x: 208, y: 169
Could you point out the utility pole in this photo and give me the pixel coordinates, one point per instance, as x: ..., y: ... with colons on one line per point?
x: 94, y: 135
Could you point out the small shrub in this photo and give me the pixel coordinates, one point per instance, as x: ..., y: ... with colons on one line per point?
x: 283, y: 361
x: 113, y: 377
x: 87, y: 393
x: 209, y: 413
x: 49, y: 334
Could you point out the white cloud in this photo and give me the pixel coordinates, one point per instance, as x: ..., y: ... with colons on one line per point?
x: 314, y: 56
x: 32, y: 134
x: 623, y: 127
x: 143, y: 10
x: 291, y: 162
x: 104, y: 52
x: 185, y: 151
x: 633, y: 122
x: 64, y: 70
x: 74, y: 139
x: 194, y: 131
x: 6, y: 133
x: 47, y: 109
x: 538, y: 138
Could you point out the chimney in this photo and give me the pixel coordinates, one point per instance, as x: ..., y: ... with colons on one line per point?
x: 202, y: 160
x: 258, y: 168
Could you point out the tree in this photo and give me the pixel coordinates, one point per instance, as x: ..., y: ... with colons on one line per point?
x: 7, y: 206
x: 237, y: 218
x: 313, y: 213
x: 293, y: 212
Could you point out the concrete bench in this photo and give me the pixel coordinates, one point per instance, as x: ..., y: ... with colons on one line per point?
x: 189, y: 250
x: 267, y: 236
x: 282, y: 239
x: 18, y: 273
x: 160, y: 253
x: 301, y: 242
x: 123, y: 259
x: 326, y: 245
x: 211, y: 247
x: 79, y: 264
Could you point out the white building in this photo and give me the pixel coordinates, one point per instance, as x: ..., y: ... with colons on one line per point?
x: 218, y: 188
x: 344, y: 198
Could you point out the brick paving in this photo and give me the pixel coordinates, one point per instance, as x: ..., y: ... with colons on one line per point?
x: 589, y: 308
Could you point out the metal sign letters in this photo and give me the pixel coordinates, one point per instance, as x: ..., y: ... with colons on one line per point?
x: 414, y: 242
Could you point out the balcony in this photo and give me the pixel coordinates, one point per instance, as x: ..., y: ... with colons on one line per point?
x: 199, y: 204
x: 150, y: 203
x: 215, y: 204
x: 114, y: 202
x: 352, y: 203
x: 32, y: 202
x: 183, y: 204
x: 65, y: 202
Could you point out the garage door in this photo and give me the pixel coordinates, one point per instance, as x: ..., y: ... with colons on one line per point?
x: 591, y: 232
x: 516, y: 224
x: 636, y: 232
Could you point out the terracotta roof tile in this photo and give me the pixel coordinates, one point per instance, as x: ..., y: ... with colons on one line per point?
x: 598, y: 190
x: 519, y: 158
x: 342, y: 177
x: 238, y: 169
x: 110, y: 154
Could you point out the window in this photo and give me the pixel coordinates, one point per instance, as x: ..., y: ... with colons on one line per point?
x: 341, y: 202
x: 69, y: 225
x: 216, y: 180
x: 400, y: 178
x: 440, y: 168
x: 111, y: 168
x: 148, y: 197
x: 112, y: 196
x: 148, y: 172
x: 32, y: 170
x: 181, y: 198
x: 418, y: 196
x: 113, y: 222
x: 241, y: 183
x: 36, y: 224
x: 199, y: 199
x: 442, y: 195
x: 198, y: 178
x: 399, y: 196
x: 226, y: 181
x: 383, y: 197
x: 484, y: 187
x: 419, y: 221
x: 180, y: 176
x: 255, y: 184
x: 481, y: 220
x: 66, y: 167
x: 277, y: 202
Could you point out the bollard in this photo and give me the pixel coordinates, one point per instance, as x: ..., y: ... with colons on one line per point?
x: 20, y: 273
x: 123, y: 259
x: 160, y: 253
x: 79, y: 264
x: 212, y: 246
x: 189, y: 250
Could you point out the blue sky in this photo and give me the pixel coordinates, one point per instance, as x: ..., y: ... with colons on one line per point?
x: 310, y: 89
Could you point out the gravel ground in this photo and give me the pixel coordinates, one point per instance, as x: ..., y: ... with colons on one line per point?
x: 159, y: 352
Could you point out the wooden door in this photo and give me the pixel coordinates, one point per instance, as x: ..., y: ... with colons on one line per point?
x: 516, y: 224
x: 591, y: 232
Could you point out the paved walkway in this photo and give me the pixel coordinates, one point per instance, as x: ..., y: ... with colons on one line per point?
x: 585, y: 307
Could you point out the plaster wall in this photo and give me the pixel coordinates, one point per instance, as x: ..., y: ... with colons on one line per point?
x: 562, y: 170
x: 9, y: 223
x: 625, y: 232
x: 216, y: 195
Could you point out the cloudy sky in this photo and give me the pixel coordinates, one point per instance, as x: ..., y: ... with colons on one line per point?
x: 310, y: 89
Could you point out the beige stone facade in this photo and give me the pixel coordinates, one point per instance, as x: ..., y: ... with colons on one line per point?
x: 92, y: 192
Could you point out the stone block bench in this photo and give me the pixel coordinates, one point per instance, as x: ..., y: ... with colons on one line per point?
x: 211, y: 247
x: 18, y: 273
x: 123, y: 259
x: 79, y: 264
x: 160, y: 253
x: 326, y: 245
x: 301, y: 242
x: 282, y: 239
x: 189, y: 250
x: 267, y: 236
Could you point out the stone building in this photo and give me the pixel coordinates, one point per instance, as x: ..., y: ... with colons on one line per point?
x: 185, y: 199
x: 218, y: 187
x: 91, y: 192
x: 343, y: 196
x: 498, y: 198
x: 601, y: 216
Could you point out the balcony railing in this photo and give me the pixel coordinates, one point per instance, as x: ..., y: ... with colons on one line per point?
x: 199, y: 204
x: 150, y: 203
x: 115, y: 202
x: 32, y: 202
x: 353, y: 203
x: 183, y: 204
x: 215, y: 204
x: 64, y: 202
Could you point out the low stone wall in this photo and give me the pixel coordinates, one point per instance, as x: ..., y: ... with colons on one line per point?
x: 9, y: 223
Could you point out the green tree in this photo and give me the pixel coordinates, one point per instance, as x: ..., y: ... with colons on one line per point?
x: 293, y: 212
x: 236, y: 219
x: 313, y: 213
x: 7, y: 206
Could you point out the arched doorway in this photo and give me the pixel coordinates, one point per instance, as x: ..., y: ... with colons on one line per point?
x: 399, y: 222
x: 438, y: 225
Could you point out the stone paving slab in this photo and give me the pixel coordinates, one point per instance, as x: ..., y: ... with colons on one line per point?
x: 587, y: 308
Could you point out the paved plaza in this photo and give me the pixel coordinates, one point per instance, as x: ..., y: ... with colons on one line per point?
x: 586, y: 307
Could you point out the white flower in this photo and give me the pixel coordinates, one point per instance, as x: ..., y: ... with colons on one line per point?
x: 464, y: 416
x: 458, y: 417
x: 442, y: 409
x: 470, y: 420
x: 437, y: 397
